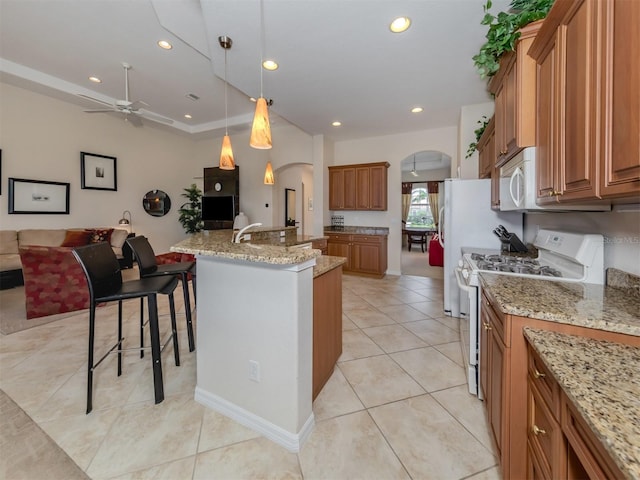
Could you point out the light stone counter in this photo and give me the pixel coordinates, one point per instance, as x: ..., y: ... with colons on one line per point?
x: 602, y: 380
x: 217, y: 243
x: 587, y: 305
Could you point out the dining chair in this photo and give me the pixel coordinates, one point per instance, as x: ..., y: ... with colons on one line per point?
x: 148, y: 267
x: 104, y: 278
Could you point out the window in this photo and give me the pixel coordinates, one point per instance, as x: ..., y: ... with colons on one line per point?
x: 420, y: 212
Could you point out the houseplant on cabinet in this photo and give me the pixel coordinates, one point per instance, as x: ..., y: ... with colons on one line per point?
x: 191, y: 211
x: 503, y: 31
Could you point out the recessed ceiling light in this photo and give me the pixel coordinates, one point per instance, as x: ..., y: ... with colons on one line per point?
x: 95, y: 79
x: 164, y: 44
x: 269, y: 65
x: 400, y: 24
x: 186, y: 115
x: 416, y: 109
x: 336, y: 124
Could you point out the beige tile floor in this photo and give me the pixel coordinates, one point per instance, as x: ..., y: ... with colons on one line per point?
x: 396, y: 406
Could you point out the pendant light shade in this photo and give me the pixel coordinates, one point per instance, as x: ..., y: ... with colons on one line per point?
x: 261, y: 130
x: 226, y: 153
x: 268, y: 175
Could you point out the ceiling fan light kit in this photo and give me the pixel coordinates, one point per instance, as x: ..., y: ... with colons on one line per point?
x: 226, y: 153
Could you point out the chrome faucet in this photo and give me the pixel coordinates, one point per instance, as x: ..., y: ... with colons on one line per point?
x: 238, y: 236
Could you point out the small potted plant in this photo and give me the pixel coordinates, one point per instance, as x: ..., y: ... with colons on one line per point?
x: 191, y: 211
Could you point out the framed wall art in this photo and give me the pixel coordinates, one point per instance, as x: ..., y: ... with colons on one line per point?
x: 98, y: 172
x: 38, y: 196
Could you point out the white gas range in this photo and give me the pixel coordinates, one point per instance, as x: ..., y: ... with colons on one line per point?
x: 562, y: 256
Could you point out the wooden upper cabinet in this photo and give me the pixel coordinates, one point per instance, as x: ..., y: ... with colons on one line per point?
x: 514, y: 88
x: 588, y: 134
x: 487, y: 150
x: 358, y: 187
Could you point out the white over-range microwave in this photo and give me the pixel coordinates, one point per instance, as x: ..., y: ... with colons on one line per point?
x: 518, y: 189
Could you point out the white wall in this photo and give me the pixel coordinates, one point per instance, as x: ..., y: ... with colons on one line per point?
x: 392, y: 149
x: 41, y: 139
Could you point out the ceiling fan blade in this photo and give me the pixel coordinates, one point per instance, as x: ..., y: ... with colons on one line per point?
x: 138, y: 104
x: 95, y: 100
x: 154, y: 117
x: 99, y: 110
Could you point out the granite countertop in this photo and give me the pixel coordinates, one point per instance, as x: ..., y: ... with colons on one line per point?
x: 602, y: 380
x: 326, y: 263
x: 290, y: 242
x: 588, y: 305
x: 358, y: 230
x: 217, y: 243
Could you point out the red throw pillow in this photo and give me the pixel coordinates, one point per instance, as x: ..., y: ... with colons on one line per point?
x: 75, y: 238
x: 97, y: 235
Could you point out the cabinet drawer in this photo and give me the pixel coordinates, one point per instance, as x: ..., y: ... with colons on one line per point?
x: 497, y: 320
x: 367, y: 239
x: 339, y: 237
x: 543, y: 431
x: 544, y: 381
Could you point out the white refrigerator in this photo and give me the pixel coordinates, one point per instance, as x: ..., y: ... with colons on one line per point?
x: 467, y: 220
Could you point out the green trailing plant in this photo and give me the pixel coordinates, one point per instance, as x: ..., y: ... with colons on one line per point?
x: 191, y: 211
x: 503, y: 31
x: 473, y: 146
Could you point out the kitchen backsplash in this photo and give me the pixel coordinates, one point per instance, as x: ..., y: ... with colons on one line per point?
x: 619, y: 279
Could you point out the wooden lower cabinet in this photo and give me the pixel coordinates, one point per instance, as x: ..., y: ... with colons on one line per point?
x: 327, y: 326
x: 516, y: 399
x: 366, y: 254
x: 320, y: 244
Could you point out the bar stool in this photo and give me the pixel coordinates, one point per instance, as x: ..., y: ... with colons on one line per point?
x: 102, y: 270
x: 148, y: 267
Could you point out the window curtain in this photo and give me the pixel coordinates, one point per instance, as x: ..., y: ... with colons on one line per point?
x: 407, y: 187
x: 432, y: 188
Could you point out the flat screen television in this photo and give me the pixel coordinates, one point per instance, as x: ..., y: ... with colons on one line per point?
x: 220, y: 208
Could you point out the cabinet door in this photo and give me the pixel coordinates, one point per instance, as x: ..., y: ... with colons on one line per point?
x: 495, y: 188
x: 546, y: 146
x: 500, y: 116
x: 339, y: 245
x: 336, y: 189
x: 349, y: 188
x: 485, y: 334
x: 620, y: 172
x: 578, y: 162
x: 378, y: 187
x: 496, y: 376
x: 366, y: 257
x: 362, y: 188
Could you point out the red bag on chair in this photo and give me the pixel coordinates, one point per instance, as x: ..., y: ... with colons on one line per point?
x: 436, y: 252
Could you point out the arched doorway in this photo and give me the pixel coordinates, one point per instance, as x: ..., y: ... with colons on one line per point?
x: 421, y: 173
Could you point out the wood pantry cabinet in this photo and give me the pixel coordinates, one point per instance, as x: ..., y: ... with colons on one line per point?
x: 588, y: 126
x: 514, y: 89
x: 366, y: 254
x: 504, y: 374
x: 358, y: 187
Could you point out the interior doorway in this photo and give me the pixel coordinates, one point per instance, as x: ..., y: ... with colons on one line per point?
x: 422, y: 173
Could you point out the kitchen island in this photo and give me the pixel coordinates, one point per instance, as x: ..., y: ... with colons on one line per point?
x: 255, y: 332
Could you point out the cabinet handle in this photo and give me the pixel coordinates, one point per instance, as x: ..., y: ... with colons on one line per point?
x: 503, y: 152
x: 538, y: 431
x: 538, y: 374
x: 486, y: 326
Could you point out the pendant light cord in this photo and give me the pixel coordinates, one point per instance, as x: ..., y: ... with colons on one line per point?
x: 226, y: 113
x: 262, y: 40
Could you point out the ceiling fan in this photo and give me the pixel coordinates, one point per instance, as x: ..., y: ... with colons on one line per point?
x: 132, y: 111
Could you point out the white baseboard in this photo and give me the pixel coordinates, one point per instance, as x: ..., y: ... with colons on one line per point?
x: 291, y: 441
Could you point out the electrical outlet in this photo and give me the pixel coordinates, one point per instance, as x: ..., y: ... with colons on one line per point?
x: 246, y: 237
x: 282, y: 233
x: 254, y: 371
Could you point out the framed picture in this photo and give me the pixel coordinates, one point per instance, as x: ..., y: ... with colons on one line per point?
x: 98, y: 172
x: 37, y: 196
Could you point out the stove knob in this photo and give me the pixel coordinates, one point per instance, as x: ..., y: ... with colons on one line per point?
x: 460, y: 263
x: 465, y: 273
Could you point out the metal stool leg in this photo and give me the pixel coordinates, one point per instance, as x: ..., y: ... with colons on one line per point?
x: 174, y: 329
x: 92, y: 331
x: 141, y: 327
x: 155, y: 348
x: 187, y: 309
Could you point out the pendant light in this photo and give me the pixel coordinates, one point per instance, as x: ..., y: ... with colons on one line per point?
x: 226, y: 153
x: 261, y: 130
x: 268, y: 175
x: 413, y: 172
